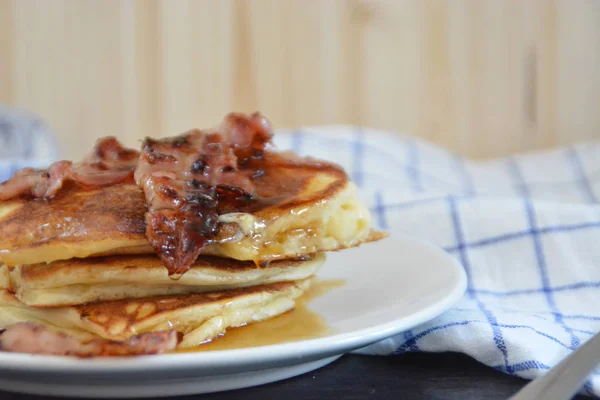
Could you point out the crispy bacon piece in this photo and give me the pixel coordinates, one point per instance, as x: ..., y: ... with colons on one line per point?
x: 36, y: 182
x: 108, y: 163
x: 29, y: 338
x: 187, y: 179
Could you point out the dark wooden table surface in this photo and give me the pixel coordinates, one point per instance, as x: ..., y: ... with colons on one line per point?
x: 409, y: 376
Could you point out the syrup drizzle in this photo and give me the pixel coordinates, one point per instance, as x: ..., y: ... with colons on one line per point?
x: 301, y: 323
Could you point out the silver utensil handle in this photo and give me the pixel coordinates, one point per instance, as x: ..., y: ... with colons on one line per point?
x: 563, y: 381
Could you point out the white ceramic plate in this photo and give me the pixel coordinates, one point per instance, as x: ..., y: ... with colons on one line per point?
x: 391, y: 286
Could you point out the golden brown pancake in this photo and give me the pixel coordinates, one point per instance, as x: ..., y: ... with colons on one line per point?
x: 79, y: 281
x: 199, y: 317
x: 76, y: 223
x: 301, y: 211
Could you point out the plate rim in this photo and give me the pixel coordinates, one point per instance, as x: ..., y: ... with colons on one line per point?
x: 256, y: 357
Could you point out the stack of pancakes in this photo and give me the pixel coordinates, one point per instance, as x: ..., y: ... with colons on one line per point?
x: 80, y: 264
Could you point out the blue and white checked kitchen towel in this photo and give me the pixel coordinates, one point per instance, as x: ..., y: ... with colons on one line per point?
x: 526, y: 229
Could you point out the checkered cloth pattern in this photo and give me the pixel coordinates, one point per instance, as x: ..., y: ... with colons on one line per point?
x: 526, y: 229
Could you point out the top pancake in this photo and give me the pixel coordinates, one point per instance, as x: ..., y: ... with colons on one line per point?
x: 302, y: 210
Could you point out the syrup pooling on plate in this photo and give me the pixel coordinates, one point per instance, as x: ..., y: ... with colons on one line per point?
x: 301, y: 323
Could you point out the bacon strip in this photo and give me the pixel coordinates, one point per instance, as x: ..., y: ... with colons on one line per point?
x: 29, y: 338
x: 36, y: 182
x: 188, y: 178
x: 108, y: 163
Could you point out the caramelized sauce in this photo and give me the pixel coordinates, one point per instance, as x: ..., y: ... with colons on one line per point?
x: 298, y: 324
x: 190, y: 180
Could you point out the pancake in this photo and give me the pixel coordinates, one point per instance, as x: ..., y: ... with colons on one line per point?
x: 79, y: 281
x: 198, y: 317
x: 76, y: 223
x: 5, y: 282
x: 301, y: 211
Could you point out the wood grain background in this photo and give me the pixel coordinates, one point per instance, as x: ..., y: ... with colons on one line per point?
x: 484, y: 78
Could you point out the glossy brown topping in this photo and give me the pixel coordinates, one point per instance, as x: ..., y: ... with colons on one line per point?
x: 189, y: 179
x: 29, y: 338
x: 108, y: 163
x: 187, y: 182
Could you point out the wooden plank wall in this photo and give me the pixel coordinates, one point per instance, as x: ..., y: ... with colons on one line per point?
x: 482, y: 77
